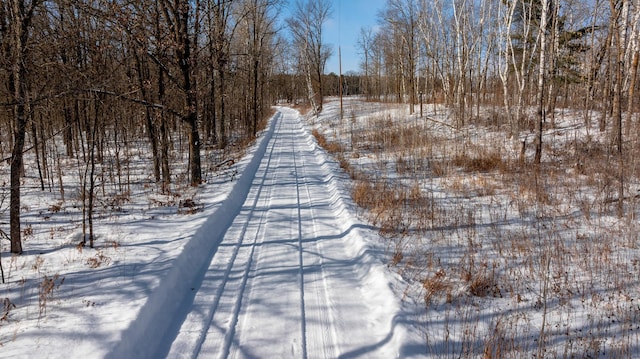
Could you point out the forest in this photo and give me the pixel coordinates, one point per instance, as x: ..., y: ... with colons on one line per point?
x: 83, y: 79
x: 494, y: 144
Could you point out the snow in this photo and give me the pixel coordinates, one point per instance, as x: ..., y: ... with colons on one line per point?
x: 556, y: 267
x: 277, y: 261
x: 275, y: 264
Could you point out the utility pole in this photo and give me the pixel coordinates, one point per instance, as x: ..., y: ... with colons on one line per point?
x: 340, y: 60
x: 340, y: 81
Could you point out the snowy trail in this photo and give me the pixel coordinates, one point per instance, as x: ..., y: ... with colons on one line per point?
x: 285, y: 274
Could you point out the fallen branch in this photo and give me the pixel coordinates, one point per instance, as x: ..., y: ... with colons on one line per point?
x: 229, y: 161
x: 440, y: 122
x: 613, y: 200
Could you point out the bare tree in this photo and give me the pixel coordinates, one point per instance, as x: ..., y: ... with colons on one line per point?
x: 20, y: 15
x: 437, y: 39
x: 620, y: 19
x: 541, y: 80
x: 306, y: 27
x: 402, y: 16
x: 179, y: 17
x: 220, y: 31
x: 365, y: 43
x: 620, y: 10
x: 260, y: 22
x: 633, y: 61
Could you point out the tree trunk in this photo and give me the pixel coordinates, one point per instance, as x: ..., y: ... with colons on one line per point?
x: 34, y: 134
x: 16, y: 169
x: 186, y: 64
x: 164, y: 136
x: 222, y: 121
x: 632, y: 90
x: 92, y: 169
x: 18, y: 88
x: 195, y: 167
x: 633, y: 69
x: 620, y: 37
x: 541, y: 82
x: 143, y: 77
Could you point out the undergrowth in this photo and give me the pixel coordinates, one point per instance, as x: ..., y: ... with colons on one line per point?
x: 507, y: 258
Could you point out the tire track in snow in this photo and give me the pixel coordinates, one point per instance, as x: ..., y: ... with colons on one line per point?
x: 158, y: 321
x: 244, y: 286
x: 303, y: 313
x: 322, y: 310
x: 229, y: 291
x: 280, y: 268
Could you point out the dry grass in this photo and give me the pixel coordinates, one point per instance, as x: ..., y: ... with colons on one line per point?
x: 329, y: 146
x: 435, y: 286
x: 395, y: 209
x: 483, y: 284
x: 304, y: 107
x: 484, y: 162
x: 46, y: 290
x: 7, y: 305
x: 98, y: 260
x: 189, y: 206
x: 496, y: 244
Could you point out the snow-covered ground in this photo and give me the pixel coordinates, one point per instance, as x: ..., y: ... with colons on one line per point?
x: 507, y: 263
x: 272, y: 264
x: 271, y: 258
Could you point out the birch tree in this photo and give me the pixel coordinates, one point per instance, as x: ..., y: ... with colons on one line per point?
x: 306, y: 25
x: 402, y: 16
x: 506, y: 12
x: 542, y: 34
x: 633, y: 59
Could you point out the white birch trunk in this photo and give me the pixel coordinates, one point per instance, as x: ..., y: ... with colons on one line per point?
x: 541, y: 80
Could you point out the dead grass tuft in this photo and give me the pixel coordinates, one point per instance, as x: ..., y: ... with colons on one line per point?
x: 45, y: 292
x: 304, y: 107
x: 116, y: 201
x: 395, y: 208
x: 436, y: 285
x: 484, y: 162
x: 7, y: 305
x: 483, y: 285
x: 98, y: 260
x: 329, y: 146
x: 55, y: 208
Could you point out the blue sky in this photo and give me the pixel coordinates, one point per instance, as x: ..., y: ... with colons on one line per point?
x: 343, y: 29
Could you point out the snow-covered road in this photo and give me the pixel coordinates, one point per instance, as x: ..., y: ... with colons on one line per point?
x: 289, y: 277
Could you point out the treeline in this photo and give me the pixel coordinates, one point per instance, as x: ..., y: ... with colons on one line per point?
x: 98, y: 75
x: 513, y: 63
x: 95, y: 75
x: 291, y: 87
x: 513, y: 54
